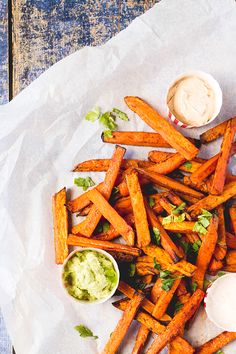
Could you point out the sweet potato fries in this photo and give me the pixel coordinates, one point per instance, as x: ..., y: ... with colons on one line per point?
x: 172, y: 216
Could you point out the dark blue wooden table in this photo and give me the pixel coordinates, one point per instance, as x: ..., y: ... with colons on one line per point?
x: 35, y: 34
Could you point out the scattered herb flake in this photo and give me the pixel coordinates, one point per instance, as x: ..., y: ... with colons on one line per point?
x: 156, y: 264
x: 178, y: 306
x: 199, y: 228
x: 93, y: 115
x: 194, y: 286
x: 156, y: 236
x: 206, y: 213
x: 85, y: 183
x: 188, y: 165
x: 180, y: 208
x: 167, y: 283
x: 107, y: 134
x: 178, y: 235
x: 108, y: 121
x: 196, y: 245
x: 131, y: 270
x: 164, y: 273
x: 84, y: 331
x: 105, y: 226
x: 151, y: 202
x: 179, y: 218
x: 219, y: 352
x: 186, y: 246
x: 121, y: 115
x: 167, y: 220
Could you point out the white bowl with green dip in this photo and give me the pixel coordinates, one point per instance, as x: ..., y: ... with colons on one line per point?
x: 90, y: 275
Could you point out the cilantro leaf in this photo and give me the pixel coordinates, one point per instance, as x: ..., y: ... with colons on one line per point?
x: 167, y: 283
x: 180, y: 208
x: 85, y: 183
x: 132, y: 270
x: 206, y: 213
x: 151, y: 202
x: 186, y: 246
x: 204, y: 221
x: 178, y: 235
x: 108, y: 121
x: 164, y: 273
x: 196, y: 245
x: 105, y: 226
x: 156, y: 264
x: 179, y: 218
x: 178, y: 306
x: 121, y: 115
x: 93, y: 115
x: 219, y: 352
x: 84, y: 331
x: 167, y: 220
x: 188, y: 165
x: 199, y: 228
x: 107, y: 134
x: 194, y: 286
x: 156, y: 236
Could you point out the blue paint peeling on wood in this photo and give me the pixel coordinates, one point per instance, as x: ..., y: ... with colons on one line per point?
x: 3, y: 52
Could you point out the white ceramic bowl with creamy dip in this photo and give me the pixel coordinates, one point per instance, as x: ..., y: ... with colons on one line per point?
x: 93, y: 275
x: 194, y: 99
x: 220, y: 302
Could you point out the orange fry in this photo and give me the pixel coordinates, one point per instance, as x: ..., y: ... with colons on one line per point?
x: 232, y: 215
x: 102, y: 165
x: 140, y: 340
x: 216, y: 343
x: 150, y: 116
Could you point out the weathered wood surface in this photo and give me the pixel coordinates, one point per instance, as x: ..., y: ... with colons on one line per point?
x: 47, y: 31
x: 4, y: 52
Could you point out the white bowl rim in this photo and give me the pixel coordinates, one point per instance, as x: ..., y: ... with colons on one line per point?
x: 211, y: 290
x: 108, y: 255
x: 213, y: 83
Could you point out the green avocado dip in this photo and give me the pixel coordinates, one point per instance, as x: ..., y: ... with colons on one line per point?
x: 89, y: 275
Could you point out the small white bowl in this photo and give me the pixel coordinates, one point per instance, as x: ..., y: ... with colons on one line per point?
x: 99, y: 301
x: 211, y: 82
x: 220, y: 302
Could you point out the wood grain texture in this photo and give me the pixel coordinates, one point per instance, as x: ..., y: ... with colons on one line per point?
x: 4, y: 51
x: 46, y: 31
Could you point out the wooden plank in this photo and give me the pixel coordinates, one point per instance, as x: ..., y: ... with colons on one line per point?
x: 4, y: 92
x: 47, y: 31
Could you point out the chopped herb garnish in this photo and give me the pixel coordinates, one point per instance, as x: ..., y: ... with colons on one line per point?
x: 115, y: 190
x: 105, y: 226
x: 196, y: 245
x: 203, y: 222
x: 156, y: 236
x: 179, y: 218
x: 186, y: 246
x: 108, y: 121
x: 84, y: 331
x: 199, y: 228
x: 108, y: 134
x: 178, y: 306
x: 180, y: 208
x: 164, y: 273
x: 188, y: 165
x: 121, y: 115
x: 151, y: 202
x: 167, y: 220
x: 206, y: 213
x: 167, y: 283
x: 131, y: 269
x: 156, y: 264
x: 85, y: 183
x: 178, y: 235
x: 93, y: 115
x: 194, y: 286
x: 219, y: 352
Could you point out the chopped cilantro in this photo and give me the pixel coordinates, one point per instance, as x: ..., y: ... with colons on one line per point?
x: 194, y: 286
x: 151, y: 202
x: 84, y: 331
x: 156, y: 264
x: 93, y: 115
x: 178, y: 306
x: 196, y: 245
x: 131, y: 270
x: 105, y: 226
x: 180, y: 208
x: 186, y: 246
x: 167, y: 283
x: 179, y: 218
x: 178, y: 235
x: 188, y: 165
x: 167, y: 220
x: 108, y: 121
x: 107, y: 134
x: 156, y: 236
x: 121, y: 115
x: 85, y: 183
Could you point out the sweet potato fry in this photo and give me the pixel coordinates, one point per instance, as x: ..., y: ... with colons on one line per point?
x: 175, y: 326
x: 156, y: 290
x: 216, y: 343
x: 212, y: 201
x: 192, y: 237
x: 74, y: 240
x: 230, y: 268
x: 221, y: 247
x: 140, y: 340
x: 123, y: 206
x: 123, y: 325
x: 206, y: 251
x: 81, y: 201
x: 231, y: 240
x: 160, y: 254
x: 147, y: 279
x: 140, y: 215
x: 112, y: 233
x: 112, y: 216
x: 166, y: 242
x: 176, y: 347
x: 150, y: 116
x: 87, y: 226
x: 164, y: 300
x: 154, y: 326
x: 60, y: 225
x: 159, y: 156
x: 182, y: 227
x: 136, y: 139
x: 231, y: 257
x: 189, y: 199
x: 232, y: 215
x: 222, y: 163
x: 169, y: 183
x: 214, y: 266
x: 168, y: 165
x: 102, y: 165
x: 213, y: 133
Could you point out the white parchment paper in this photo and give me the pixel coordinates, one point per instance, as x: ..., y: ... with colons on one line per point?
x: 43, y: 134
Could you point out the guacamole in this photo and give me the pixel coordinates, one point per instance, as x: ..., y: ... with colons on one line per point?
x: 89, y: 275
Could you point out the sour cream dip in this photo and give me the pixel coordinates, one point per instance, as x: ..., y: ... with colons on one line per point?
x: 220, y: 302
x: 194, y: 99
